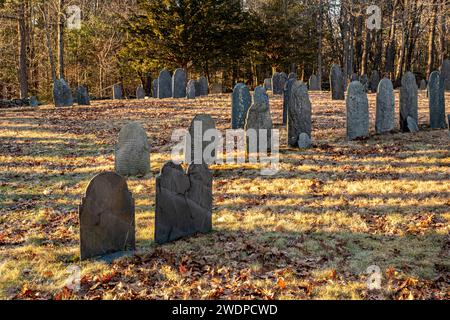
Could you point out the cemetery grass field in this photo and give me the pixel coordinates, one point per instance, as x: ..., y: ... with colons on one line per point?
x: 308, y: 232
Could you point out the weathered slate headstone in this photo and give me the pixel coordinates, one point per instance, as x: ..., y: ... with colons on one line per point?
x: 357, y: 111
x: 437, y: 101
x: 299, y: 113
x: 385, y: 117
x: 277, y: 83
x: 216, y: 88
x: 132, y: 152
x: 183, y: 202
x: 337, y: 82
x: 286, y: 96
x: 314, y: 84
x: 179, y: 81
x: 190, y: 90
x: 117, y: 92
x: 140, y: 92
x: 374, y: 81
x: 241, y: 101
x: 423, y: 85
x: 408, y: 102
x: 62, y: 95
x: 292, y: 75
x: 164, y: 85
x: 197, y: 88
x: 204, y: 87
x: 155, y: 88
x: 268, y: 84
x: 106, y: 215
x: 196, y: 143
x: 445, y: 73
x: 259, y: 118
x: 83, y: 96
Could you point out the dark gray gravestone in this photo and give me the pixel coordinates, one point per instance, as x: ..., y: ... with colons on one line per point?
x: 284, y: 79
x: 155, y: 88
x: 62, y: 95
x: 374, y: 81
x: 268, y: 84
x: 241, y: 101
x: 314, y: 84
x: 299, y: 113
x: 423, y: 85
x: 83, y: 96
x: 106, y: 217
x: 190, y: 90
x: 132, y: 153
x: 412, y: 124
x: 445, y: 73
x: 117, y: 92
x: 277, y: 83
x: 140, y: 92
x: 354, y: 77
x: 197, y: 88
x: 304, y: 141
x: 34, y: 102
x: 357, y: 111
x: 164, y: 85
x: 408, y: 102
x: 204, y: 87
x: 437, y: 101
x: 179, y: 81
x: 286, y: 96
x: 292, y: 75
x: 364, y: 80
x: 183, y: 202
x: 259, y: 118
x: 197, y: 142
x: 337, y: 82
x: 385, y: 117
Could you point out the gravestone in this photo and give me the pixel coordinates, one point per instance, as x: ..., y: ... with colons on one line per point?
x: 286, y: 96
x: 437, y: 101
x: 385, y: 117
x: 190, y: 90
x: 132, y: 152
x: 198, y: 143
x: 34, y: 102
x: 241, y: 101
x: 284, y: 79
x: 337, y: 82
x: 314, y: 84
x: 164, y: 85
x: 304, y: 141
x: 259, y: 118
x: 179, y: 81
x: 277, y: 83
x: 140, y: 92
x: 183, y: 202
x: 107, y: 223
x: 216, y: 88
x: 374, y: 81
x: 364, y: 80
x: 203, y: 82
x: 268, y: 84
x: 117, y: 92
x: 408, y: 102
x: 155, y: 88
x: 354, y: 77
x: 423, y: 85
x: 299, y: 113
x: 82, y: 96
x: 445, y: 73
x: 292, y: 75
x: 197, y: 88
x: 62, y: 95
x: 357, y: 112
x: 412, y: 124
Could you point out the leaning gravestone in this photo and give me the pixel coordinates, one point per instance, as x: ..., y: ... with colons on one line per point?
x: 164, y: 85
x: 409, y: 103
x: 183, y: 202
x: 277, y: 83
x: 337, y: 82
x: 268, y: 84
x: 190, y: 90
x: 357, y: 112
x: 241, y: 101
x: 140, y: 92
x: 62, y: 95
x: 117, y: 92
x: 437, y: 101
x: 259, y: 118
x: 132, y: 153
x: 286, y: 96
x: 179, y: 83
x: 197, y: 143
x: 155, y: 88
x: 445, y: 73
x: 106, y: 214
x: 299, y: 113
x: 385, y: 117
x: 423, y: 85
x: 314, y: 84
x: 203, y: 82
x: 374, y: 81
x: 82, y: 96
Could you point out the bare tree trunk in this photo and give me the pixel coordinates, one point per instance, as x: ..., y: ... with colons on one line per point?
x: 443, y: 30
x: 391, y: 50
x: 61, y: 38
x: 431, y: 38
x: 365, y: 57
x: 48, y: 37
x: 319, y: 50
x: 23, y: 59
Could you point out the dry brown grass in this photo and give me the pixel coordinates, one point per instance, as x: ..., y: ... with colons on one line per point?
x: 309, y: 232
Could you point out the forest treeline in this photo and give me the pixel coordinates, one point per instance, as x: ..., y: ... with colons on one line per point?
x: 130, y: 41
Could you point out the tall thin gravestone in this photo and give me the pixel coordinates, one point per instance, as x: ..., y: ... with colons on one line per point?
x: 62, y: 95
x: 286, y: 96
x: 409, y: 103
x: 190, y: 90
x: 374, y: 81
x: 357, y: 112
x: 277, y: 83
x: 164, y: 85
x: 117, y: 92
x: 204, y: 87
x: 268, y: 84
x: 140, y: 92
x: 437, y: 101
x: 299, y: 113
x: 241, y: 101
x: 82, y: 96
x: 314, y: 84
x: 337, y: 82
x: 179, y: 83
x: 385, y: 117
